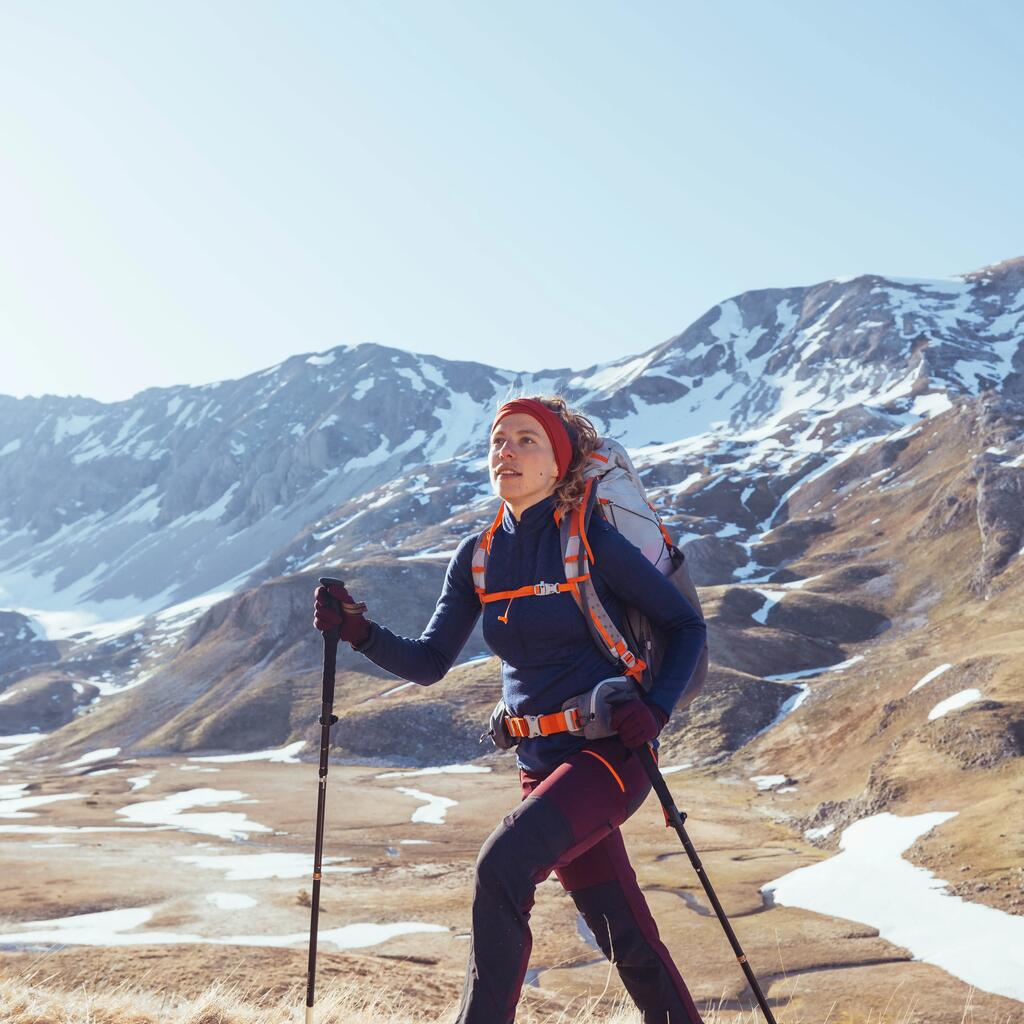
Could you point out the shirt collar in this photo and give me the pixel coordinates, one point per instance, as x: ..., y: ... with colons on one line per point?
x: 533, y: 519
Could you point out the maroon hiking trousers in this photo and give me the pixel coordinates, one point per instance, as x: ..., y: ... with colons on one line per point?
x: 569, y: 823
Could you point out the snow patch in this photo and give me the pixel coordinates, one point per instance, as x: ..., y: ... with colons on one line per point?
x: 93, y: 756
x: 251, y: 867
x: 71, y: 426
x: 935, y: 673
x: 869, y: 882
x: 434, y: 807
x: 171, y: 811
x: 958, y: 700
x: 231, y: 900
x: 767, y: 781
x: 804, y: 673
x: 819, y: 833
x: 447, y: 769
x: 282, y: 755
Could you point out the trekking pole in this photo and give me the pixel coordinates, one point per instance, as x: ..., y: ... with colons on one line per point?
x: 327, y: 719
x: 675, y: 819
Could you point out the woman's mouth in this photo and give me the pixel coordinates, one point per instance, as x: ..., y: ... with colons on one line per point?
x: 507, y: 472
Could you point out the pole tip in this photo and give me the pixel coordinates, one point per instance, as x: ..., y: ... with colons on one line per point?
x: 309, y: 1015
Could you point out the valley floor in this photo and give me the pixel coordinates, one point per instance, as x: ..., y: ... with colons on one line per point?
x: 171, y: 875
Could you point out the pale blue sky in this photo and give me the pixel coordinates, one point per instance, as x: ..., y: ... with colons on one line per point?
x: 195, y: 190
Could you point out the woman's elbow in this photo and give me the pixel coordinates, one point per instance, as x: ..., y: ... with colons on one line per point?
x: 434, y: 669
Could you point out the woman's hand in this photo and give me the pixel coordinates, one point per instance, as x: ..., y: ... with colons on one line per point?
x: 637, y: 723
x: 334, y: 608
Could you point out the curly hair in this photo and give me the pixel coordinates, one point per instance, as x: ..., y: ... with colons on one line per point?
x: 584, y: 438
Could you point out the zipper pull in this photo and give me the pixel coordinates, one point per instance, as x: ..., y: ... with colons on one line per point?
x: 504, y: 618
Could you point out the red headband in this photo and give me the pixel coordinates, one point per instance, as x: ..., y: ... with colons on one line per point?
x: 550, y: 421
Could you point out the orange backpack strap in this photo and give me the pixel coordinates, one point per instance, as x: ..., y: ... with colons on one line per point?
x: 482, y: 551
x: 578, y: 557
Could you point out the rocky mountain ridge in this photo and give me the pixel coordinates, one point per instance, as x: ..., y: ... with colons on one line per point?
x: 824, y: 395
x: 113, y: 510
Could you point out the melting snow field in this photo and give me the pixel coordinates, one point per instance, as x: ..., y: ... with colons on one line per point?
x: 434, y: 808
x: 120, y: 928
x: 819, y: 833
x: 106, y: 928
x: 804, y: 673
x: 92, y: 757
x: 13, y: 804
x: 868, y: 881
x: 767, y: 781
x: 283, y: 755
x: 15, y: 745
x: 935, y: 673
x: 447, y: 769
x: 349, y: 936
x: 788, y: 707
x: 250, y: 867
x: 958, y: 700
x: 171, y: 811
x: 231, y: 900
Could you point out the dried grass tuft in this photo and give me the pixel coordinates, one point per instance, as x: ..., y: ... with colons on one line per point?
x: 28, y: 1000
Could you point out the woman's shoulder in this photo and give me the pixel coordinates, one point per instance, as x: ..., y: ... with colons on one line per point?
x: 606, y: 540
x: 463, y: 554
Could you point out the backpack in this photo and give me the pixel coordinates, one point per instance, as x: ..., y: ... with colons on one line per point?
x: 615, y: 491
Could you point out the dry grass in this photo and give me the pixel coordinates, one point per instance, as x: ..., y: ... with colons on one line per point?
x: 27, y: 1000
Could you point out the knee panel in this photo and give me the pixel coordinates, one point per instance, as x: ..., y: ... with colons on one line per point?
x: 522, y: 850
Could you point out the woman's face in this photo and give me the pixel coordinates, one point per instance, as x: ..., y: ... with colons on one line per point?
x: 522, y: 462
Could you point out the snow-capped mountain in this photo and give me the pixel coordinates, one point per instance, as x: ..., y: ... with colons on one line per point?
x: 113, y: 510
x: 842, y: 464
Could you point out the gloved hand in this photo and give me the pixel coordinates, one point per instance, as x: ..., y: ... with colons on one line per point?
x: 638, y: 723
x: 334, y: 608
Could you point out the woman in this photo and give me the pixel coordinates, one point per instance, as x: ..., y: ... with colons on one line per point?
x: 576, y: 792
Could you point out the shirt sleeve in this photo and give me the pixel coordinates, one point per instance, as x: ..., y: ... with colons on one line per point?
x: 427, y: 659
x: 622, y: 566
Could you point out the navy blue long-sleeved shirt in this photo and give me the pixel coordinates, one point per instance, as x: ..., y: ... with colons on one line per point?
x: 547, y: 652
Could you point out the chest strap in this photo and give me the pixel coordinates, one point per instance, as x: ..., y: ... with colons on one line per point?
x: 530, y: 726
x: 530, y: 590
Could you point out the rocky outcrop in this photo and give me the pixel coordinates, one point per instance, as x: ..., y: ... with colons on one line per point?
x: 45, y: 702
x: 21, y: 647
x: 732, y: 709
x: 1000, y: 514
x: 979, y: 736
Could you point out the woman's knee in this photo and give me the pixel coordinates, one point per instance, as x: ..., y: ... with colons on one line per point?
x: 524, y: 848
x: 498, y: 858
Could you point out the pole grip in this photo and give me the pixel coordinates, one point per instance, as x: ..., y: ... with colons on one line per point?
x: 330, y: 664
x: 331, y: 638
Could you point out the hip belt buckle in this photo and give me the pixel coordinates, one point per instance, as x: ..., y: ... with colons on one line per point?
x: 532, y: 725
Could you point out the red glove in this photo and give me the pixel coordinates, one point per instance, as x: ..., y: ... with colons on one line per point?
x: 638, y: 723
x: 334, y: 608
